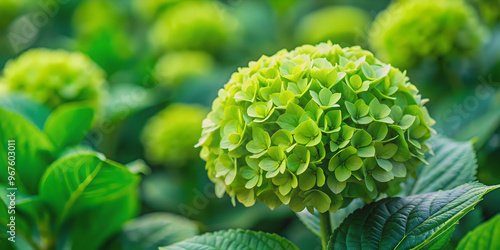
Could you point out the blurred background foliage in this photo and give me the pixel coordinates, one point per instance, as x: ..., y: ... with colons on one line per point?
x: 165, y: 60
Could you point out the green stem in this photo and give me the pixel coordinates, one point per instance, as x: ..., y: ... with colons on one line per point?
x: 47, y: 238
x: 326, y: 228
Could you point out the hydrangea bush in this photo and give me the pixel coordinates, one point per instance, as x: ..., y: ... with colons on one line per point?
x: 411, y: 30
x: 170, y: 136
x: 315, y: 127
x: 54, y: 77
x: 196, y: 25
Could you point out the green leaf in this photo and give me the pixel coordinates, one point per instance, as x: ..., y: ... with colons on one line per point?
x: 69, y: 124
x: 233, y: 239
x: 33, y: 151
x: 485, y: 237
x: 24, y: 219
x: 154, y: 230
x: 31, y: 111
x: 84, y: 181
x: 421, y: 221
x: 453, y: 163
x: 311, y: 221
x: 126, y: 99
x: 86, y: 234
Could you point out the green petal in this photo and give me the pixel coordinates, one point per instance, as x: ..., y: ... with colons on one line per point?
x: 361, y: 139
x: 387, y: 151
x: 342, y: 173
x: 335, y: 186
x: 381, y: 175
x: 385, y: 164
x: 353, y: 163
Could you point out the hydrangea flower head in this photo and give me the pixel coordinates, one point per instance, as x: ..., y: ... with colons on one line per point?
x: 169, y: 137
x: 194, y: 25
x: 171, y: 68
x: 411, y: 30
x: 54, y: 77
x: 317, y: 26
x: 314, y: 127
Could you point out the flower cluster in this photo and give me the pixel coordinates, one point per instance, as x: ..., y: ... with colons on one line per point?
x: 411, y: 30
x: 170, y: 136
x: 317, y: 26
x: 54, y: 77
x: 171, y: 68
x: 196, y: 25
x: 314, y: 127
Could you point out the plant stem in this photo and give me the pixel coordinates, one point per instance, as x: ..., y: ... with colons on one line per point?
x: 326, y: 228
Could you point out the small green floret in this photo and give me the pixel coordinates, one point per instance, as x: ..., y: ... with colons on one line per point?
x: 314, y: 128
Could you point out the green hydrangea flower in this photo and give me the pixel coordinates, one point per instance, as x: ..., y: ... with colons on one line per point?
x: 317, y: 26
x: 411, y: 30
x: 171, y: 68
x: 194, y: 25
x: 54, y: 77
x: 314, y: 128
x: 170, y: 136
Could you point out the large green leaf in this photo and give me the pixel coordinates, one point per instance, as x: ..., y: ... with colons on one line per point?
x: 23, y: 223
x: 311, y: 221
x: 69, y: 124
x: 33, y: 151
x: 126, y: 99
x: 453, y: 164
x: 151, y: 231
x: 233, y: 240
x: 33, y: 112
x: 86, y: 233
x: 423, y: 221
x: 84, y: 181
x: 485, y: 237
